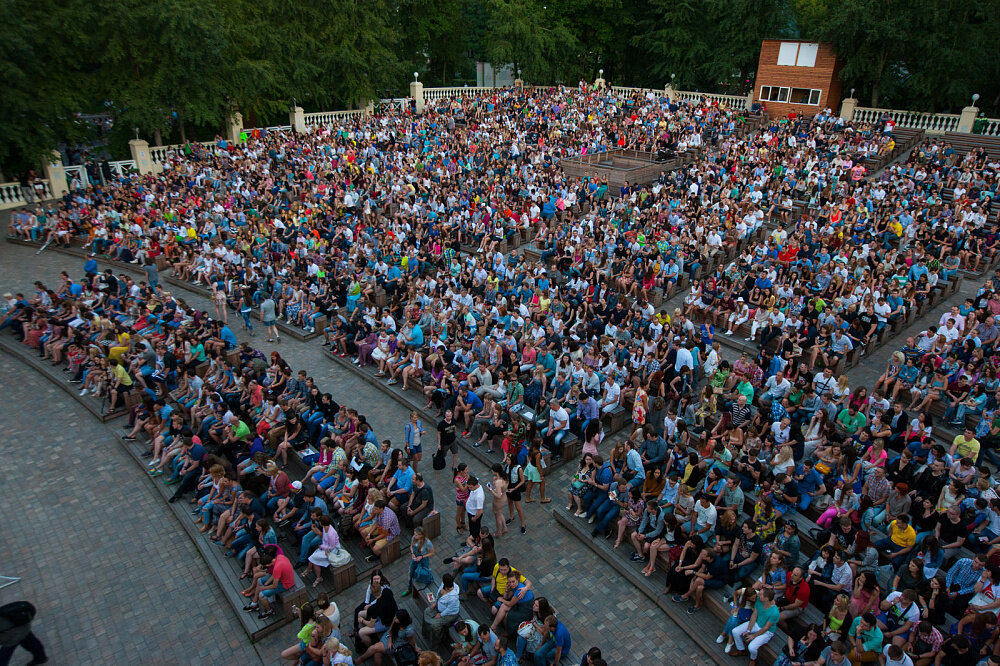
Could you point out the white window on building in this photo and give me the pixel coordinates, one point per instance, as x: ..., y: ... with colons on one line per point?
x: 784, y: 94
x: 807, y: 55
x: 787, y: 53
x: 797, y: 54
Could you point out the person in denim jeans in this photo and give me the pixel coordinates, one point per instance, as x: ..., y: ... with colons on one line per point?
x: 557, y: 643
x: 310, y: 538
x: 604, y: 511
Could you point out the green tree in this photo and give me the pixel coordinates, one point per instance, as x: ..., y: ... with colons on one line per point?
x: 532, y: 36
x: 431, y: 39
x: 41, y: 80
x: 711, y: 45
x: 161, y: 61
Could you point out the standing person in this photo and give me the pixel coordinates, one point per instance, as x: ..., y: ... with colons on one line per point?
x: 533, y: 475
x: 498, y: 488
x: 15, y: 630
x: 446, y: 437
x: 243, y: 306
x: 268, y: 319
x: 474, y: 506
x: 412, y: 432
x: 461, y: 480
x: 515, y: 484
x: 219, y: 300
x: 421, y: 551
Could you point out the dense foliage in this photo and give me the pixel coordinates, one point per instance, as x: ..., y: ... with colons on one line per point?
x: 173, y: 69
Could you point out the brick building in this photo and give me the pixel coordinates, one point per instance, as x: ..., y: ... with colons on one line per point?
x: 797, y: 75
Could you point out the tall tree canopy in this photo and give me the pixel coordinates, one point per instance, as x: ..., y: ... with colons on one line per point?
x: 178, y: 69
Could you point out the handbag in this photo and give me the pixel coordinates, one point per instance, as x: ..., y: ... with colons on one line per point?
x: 822, y: 468
x: 438, y: 461
x: 529, y: 632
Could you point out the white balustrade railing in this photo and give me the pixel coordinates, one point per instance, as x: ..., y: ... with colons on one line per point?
x: 79, y: 173
x: 992, y: 127
x: 122, y: 168
x: 161, y: 154
x: 12, y: 196
x: 934, y: 123
x: 629, y: 90
x: 738, y: 102
x: 459, y: 91
x: 330, y: 117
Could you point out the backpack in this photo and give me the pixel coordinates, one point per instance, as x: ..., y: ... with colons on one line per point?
x: 404, y: 655
x: 18, y: 613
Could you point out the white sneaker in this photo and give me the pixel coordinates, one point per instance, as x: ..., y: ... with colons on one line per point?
x: 83, y: 392
x: 748, y: 339
x: 592, y: 519
x: 721, y: 638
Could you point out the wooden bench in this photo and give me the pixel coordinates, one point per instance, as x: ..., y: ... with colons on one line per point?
x: 391, y: 552
x: 432, y: 524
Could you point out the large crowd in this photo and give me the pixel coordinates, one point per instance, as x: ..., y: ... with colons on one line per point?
x: 392, y: 230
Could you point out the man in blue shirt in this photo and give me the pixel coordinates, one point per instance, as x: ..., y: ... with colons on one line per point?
x: 188, y: 469
x: 400, y: 485
x: 227, y: 336
x: 636, y: 473
x: 809, y: 482
x: 556, y: 645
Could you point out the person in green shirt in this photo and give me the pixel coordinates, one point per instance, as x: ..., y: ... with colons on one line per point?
x: 745, y: 388
x: 851, y: 420
x: 758, y: 630
x: 865, y: 638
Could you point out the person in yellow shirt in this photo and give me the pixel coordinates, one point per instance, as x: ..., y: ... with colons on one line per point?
x: 965, y: 445
x: 121, y: 383
x: 498, y: 583
x: 901, y: 540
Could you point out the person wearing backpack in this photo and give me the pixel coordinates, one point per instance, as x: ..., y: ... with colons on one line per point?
x: 15, y: 630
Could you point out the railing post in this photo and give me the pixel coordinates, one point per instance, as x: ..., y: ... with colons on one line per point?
x: 140, y: 154
x: 847, y: 108
x: 56, y: 174
x: 968, y: 119
x: 417, y: 93
x: 297, y: 119
x: 234, y: 128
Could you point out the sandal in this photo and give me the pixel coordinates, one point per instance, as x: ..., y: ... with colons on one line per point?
x: 546, y: 500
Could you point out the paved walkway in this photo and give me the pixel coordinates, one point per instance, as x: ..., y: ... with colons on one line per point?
x: 114, y: 577
x: 151, y: 560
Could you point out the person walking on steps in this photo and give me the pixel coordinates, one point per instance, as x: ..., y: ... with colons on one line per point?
x: 268, y: 318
